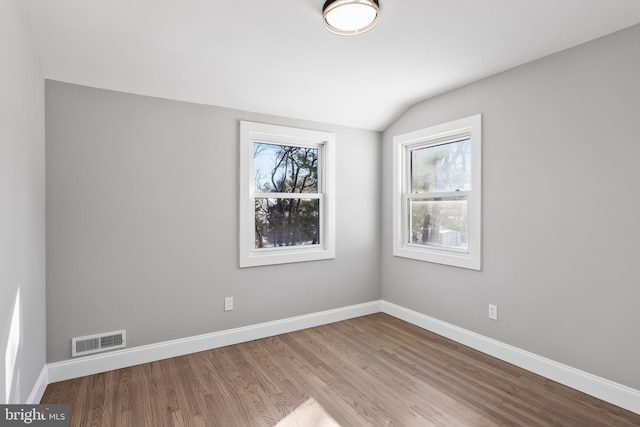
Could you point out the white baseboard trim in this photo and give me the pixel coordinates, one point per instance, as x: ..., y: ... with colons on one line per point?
x: 609, y: 391
x: 73, y: 368
x: 39, y: 387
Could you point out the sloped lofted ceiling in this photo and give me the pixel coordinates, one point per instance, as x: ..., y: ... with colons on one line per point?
x: 275, y: 57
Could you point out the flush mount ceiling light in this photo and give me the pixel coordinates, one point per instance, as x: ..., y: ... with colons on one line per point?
x: 350, y: 17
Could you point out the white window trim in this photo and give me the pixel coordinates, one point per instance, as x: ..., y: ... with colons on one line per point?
x: 325, y: 141
x: 470, y: 258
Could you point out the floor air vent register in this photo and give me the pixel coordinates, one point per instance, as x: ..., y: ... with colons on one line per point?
x: 97, y: 343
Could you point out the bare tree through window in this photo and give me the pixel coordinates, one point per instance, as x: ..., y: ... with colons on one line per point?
x: 437, y: 220
x: 281, y: 171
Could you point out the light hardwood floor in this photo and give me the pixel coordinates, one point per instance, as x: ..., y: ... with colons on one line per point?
x: 370, y: 371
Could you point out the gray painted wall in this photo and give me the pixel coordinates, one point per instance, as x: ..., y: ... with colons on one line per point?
x: 561, y: 230
x: 22, y: 210
x: 142, y: 222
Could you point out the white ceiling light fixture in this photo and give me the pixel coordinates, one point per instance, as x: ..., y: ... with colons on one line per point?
x: 350, y: 17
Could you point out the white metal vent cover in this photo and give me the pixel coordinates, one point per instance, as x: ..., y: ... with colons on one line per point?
x: 96, y: 343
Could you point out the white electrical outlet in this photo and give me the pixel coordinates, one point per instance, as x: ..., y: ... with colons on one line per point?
x: 493, y: 312
x: 228, y: 304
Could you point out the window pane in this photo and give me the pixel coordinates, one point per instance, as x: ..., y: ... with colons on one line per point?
x: 286, y: 222
x: 285, y: 169
x: 439, y: 222
x: 445, y: 167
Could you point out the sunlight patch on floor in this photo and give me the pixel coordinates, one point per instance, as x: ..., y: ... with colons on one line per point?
x: 309, y: 414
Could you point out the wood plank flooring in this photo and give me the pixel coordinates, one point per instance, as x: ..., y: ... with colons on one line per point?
x: 370, y: 371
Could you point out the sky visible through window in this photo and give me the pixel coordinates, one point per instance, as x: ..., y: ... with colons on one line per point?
x: 283, y: 168
x: 282, y: 220
x: 440, y: 221
x: 445, y: 167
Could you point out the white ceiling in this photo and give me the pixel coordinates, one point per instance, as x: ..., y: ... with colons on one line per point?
x: 275, y: 57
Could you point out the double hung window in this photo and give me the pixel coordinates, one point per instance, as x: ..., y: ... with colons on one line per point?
x: 437, y: 209
x: 287, y: 200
